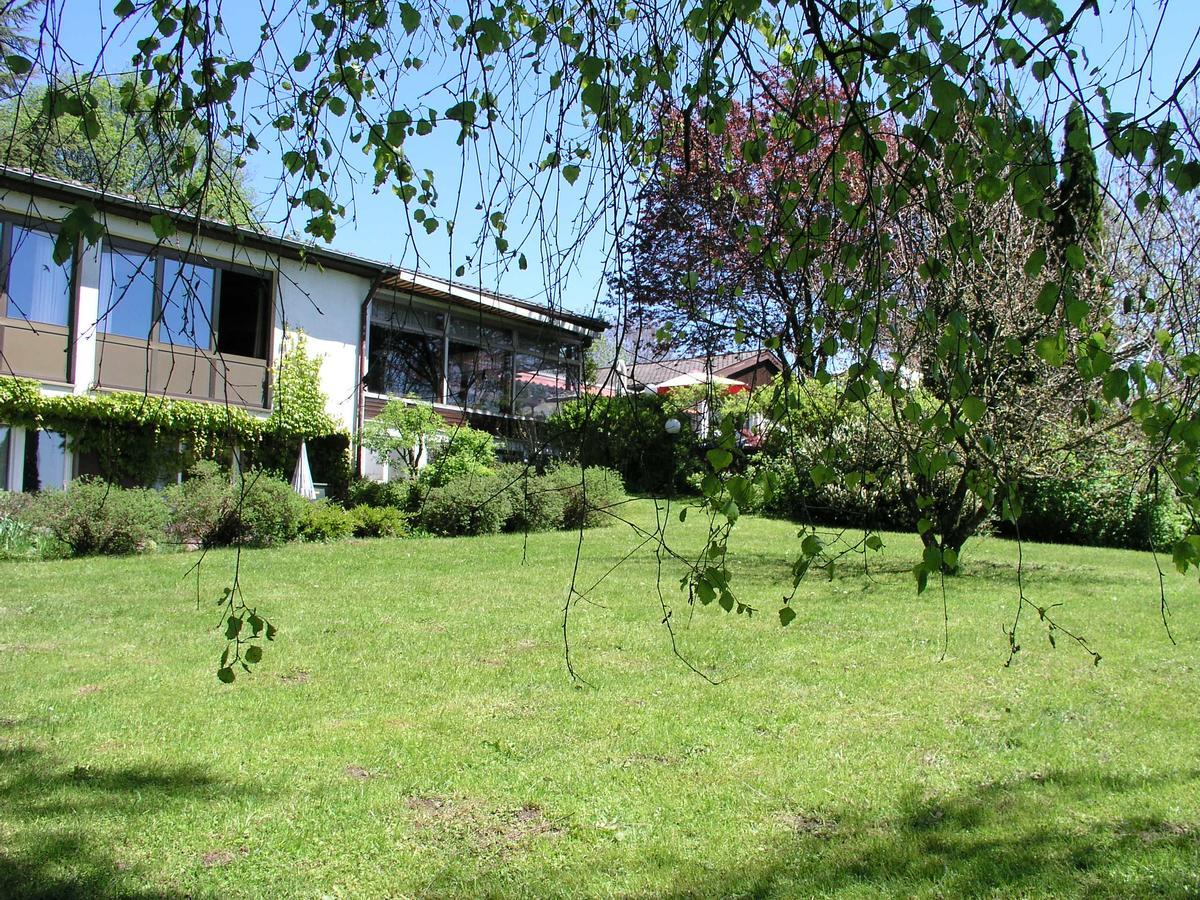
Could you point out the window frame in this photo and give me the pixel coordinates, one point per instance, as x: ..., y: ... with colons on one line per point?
x: 9, y: 221
x: 158, y: 254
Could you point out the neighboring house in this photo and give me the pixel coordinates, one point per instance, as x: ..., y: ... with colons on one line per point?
x: 202, y: 316
x: 753, y: 368
x: 726, y: 372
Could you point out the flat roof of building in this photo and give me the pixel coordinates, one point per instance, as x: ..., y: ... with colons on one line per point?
x: 385, y: 275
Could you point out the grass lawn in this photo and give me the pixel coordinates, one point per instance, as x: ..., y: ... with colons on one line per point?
x: 413, y: 731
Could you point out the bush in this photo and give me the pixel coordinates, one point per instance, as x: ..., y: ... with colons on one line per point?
x: 326, y: 521
x: 381, y: 494
x: 382, y: 521
x: 538, y: 501
x: 1105, y: 511
x: 466, y: 452
x: 92, y: 516
x: 626, y: 434
x: 466, y: 506
x: 258, y: 510
x: 21, y: 540
x: 588, y: 494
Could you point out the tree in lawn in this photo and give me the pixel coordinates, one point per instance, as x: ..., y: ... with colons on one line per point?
x: 402, y: 431
x: 121, y: 138
x: 710, y: 257
x: 971, y: 403
x: 567, y: 111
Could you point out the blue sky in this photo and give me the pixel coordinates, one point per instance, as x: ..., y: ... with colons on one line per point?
x: 379, y: 229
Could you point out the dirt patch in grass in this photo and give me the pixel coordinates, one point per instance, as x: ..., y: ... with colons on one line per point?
x: 487, y: 831
x: 214, y: 858
x: 299, y: 676
x: 358, y: 773
x: 88, y: 689
x: 804, y: 823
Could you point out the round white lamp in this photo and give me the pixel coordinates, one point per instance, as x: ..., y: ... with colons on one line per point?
x: 672, y: 426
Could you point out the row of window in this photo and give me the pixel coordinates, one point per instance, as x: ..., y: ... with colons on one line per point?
x: 455, y: 359
x: 143, y: 295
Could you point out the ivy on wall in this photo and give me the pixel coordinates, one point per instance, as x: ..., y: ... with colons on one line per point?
x: 138, y: 437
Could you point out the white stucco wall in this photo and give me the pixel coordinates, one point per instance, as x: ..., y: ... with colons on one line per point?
x: 326, y: 305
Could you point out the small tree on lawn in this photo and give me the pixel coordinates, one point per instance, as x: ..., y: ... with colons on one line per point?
x: 403, y: 430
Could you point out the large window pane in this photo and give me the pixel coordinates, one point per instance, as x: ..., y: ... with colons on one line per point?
x: 407, y: 317
x: 187, y: 292
x: 5, y: 444
x: 242, y: 329
x: 479, y: 378
x: 126, y: 293
x: 45, y: 461
x: 542, y: 384
x: 404, y: 364
x: 38, y: 288
x: 472, y: 332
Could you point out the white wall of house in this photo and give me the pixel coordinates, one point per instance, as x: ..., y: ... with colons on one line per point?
x: 326, y: 305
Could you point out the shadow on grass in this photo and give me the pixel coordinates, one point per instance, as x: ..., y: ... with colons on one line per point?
x: 46, y: 808
x: 1046, y: 836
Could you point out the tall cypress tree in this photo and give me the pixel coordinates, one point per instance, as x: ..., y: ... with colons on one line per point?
x: 1079, y: 221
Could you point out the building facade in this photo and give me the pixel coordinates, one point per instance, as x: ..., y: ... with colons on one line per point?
x: 202, y: 315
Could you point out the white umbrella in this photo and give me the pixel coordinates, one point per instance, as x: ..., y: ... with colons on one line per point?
x: 691, y: 379
x: 302, y: 482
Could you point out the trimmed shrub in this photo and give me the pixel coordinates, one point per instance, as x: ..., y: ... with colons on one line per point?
x: 382, y: 521
x: 381, y: 494
x: 538, y: 501
x: 626, y: 434
x: 466, y: 506
x: 588, y: 494
x: 326, y: 521
x: 92, y: 516
x: 258, y: 510
x: 1104, y: 511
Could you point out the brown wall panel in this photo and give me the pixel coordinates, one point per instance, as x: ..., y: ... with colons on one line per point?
x: 42, y: 353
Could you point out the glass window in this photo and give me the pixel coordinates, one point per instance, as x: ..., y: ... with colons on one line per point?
x: 479, y: 378
x: 472, y: 332
x: 542, y: 384
x: 404, y: 364
x: 5, y: 444
x: 126, y: 293
x: 45, y: 461
x: 38, y: 288
x: 242, y: 319
x: 187, y: 291
x: 408, y: 317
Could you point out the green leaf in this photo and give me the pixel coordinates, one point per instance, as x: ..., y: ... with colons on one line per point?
x: 225, y: 675
x: 254, y: 654
x: 570, y: 173
x: 18, y: 64
x: 410, y: 18
x: 1035, y: 263
x: 719, y: 459
x: 463, y: 112
x: 786, y: 616
x: 163, y: 225
x: 990, y: 188
x: 300, y: 63
x: 973, y: 409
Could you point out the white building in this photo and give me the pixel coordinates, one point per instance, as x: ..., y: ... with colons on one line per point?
x: 202, y: 316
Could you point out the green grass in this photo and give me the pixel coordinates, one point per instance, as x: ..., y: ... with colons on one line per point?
x: 413, y: 731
